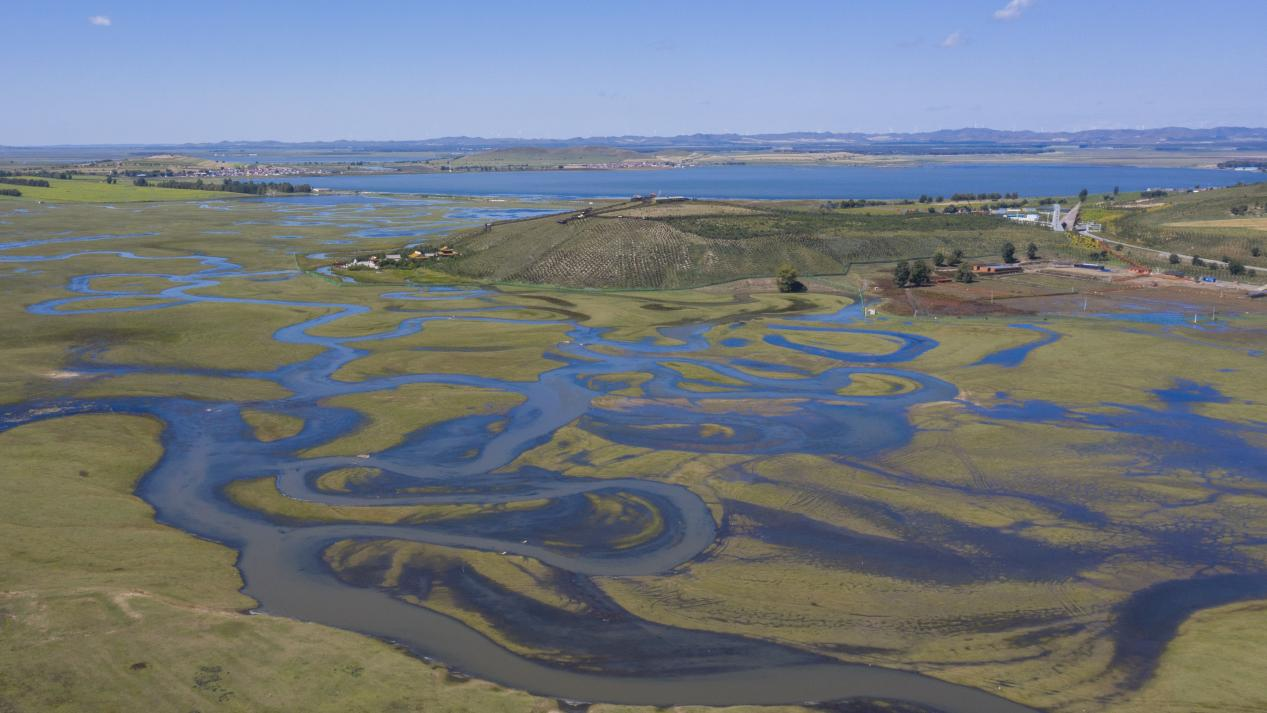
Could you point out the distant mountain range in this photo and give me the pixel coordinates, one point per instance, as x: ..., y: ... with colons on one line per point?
x: 945, y: 140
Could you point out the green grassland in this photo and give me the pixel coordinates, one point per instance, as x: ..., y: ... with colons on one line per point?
x: 400, y: 411
x: 102, y: 609
x: 84, y: 189
x: 270, y: 425
x: 261, y: 495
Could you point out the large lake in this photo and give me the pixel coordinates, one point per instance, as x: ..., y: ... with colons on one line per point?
x: 786, y: 182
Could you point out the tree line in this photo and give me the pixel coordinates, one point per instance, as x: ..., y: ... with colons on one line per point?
x: 33, y: 182
x: 64, y: 175
x: 229, y: 185
x: 10, y: 192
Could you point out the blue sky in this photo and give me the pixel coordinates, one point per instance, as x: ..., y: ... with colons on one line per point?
x: 119, y: 71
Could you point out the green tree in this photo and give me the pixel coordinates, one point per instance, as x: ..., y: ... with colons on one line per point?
x: 1009, y: 253
x: 920, y: 274
x: 964, y: 274
x: 1082, y: 195
x: 939, y: 258
x: 902, y: 273
x: 1174, y: 259
x: 1197, y: 261
x: 1236, y: 267
x: 1116, y: 191
x: 1031, y: 251
x: 787, y: 279
x: 956, y: 256
x: 1255, y: 251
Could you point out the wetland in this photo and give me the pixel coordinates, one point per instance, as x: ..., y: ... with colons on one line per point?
x: 639, y: 498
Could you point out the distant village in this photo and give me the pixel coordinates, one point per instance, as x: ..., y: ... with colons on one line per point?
x: 254, y: 170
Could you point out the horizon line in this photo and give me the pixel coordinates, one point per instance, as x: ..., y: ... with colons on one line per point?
x: 760, y: 134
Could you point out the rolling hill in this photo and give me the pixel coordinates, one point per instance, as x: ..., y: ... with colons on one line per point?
x: 688, y: 244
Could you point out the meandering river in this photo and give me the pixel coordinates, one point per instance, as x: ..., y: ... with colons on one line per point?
x: 208, y: 445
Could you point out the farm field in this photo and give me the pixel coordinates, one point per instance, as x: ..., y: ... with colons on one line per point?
x: 1212, y: 224
x: 978, y: 498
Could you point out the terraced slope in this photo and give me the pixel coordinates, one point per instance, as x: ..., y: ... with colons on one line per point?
x: 697, y: 243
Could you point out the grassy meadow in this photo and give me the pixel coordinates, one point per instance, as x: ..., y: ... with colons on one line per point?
x: 92, y: 189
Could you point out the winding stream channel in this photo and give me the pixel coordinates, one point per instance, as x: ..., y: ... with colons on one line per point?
x: 208, y: 445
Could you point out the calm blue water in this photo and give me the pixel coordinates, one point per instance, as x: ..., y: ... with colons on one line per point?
x: 790, y: 182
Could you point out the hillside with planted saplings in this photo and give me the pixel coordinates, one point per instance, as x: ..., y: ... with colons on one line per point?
x: 673, y: 244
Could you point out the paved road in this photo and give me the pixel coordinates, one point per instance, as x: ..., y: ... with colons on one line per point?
x: 1259, y: 269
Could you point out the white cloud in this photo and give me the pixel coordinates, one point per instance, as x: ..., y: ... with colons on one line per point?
x: 1012, y: 10
x: 100, y: 21
x: 954, y: 40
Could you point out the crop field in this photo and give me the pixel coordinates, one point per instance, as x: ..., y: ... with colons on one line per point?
x: 1257, y: 223
x: 544, y: 495
x: 1210, y: 224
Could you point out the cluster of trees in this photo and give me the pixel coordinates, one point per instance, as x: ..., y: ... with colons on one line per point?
x: 983, y: 196
x: 830, y: 205
x: 1234, y: 266
x: 1007, y: 204
x: 1242, y: 163
x: 10, y: 192
x: 1152, y: 194
x: 952, y: 208
x: 142, y: 173
x: 254, y: 188
x: 64, y: 175
x: 915, y: 274
x: 1009, y: 252
x: 789, y: 280
x: 1244, y: 209
x: 229, y: 186
x: 33, y: 182
x: 940, y: 259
